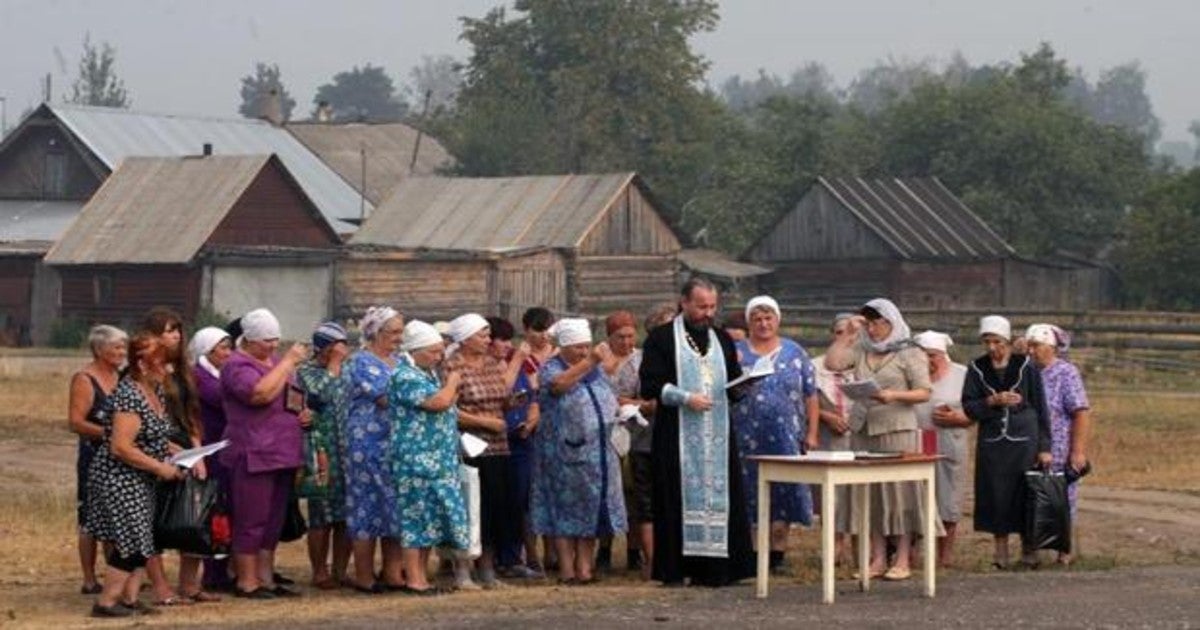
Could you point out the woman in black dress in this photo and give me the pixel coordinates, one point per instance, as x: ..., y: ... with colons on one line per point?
x: 121, y: 484
x: 1003, y: 394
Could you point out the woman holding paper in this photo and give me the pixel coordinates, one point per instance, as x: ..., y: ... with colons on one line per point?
x: 265, y: 417
x: 942, y: 416
x: 576, y: 496
x: 897, y: 373
x: 209, y: 349
x: 425, y: 454
x: 371, y: 509
x: 777, y: 416
x: 121, y: 483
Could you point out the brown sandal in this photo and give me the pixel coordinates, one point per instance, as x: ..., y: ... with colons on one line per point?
x: 203, y: 597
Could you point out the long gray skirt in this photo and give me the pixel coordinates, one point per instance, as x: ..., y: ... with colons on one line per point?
x: 896, y: 508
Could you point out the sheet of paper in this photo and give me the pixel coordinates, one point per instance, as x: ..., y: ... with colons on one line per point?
x: 188, y: 458
x: 472, y: 446
x: 827, y: 456
x: 861, y: 390
x: 631, y: 413
x: 764, y: 366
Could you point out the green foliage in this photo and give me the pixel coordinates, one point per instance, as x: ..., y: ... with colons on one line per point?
x: 362, y: 94
x: 1161, y: 256
x: 97, y: 83
x: 258, y: 86
x: 68, y: 332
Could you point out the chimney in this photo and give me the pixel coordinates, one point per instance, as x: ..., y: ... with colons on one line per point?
x: 324, y: 112
x: 270, y: 107
x: 207, y: 149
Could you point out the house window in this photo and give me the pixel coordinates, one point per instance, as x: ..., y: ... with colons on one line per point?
x: 54, y: 173
x: 102, y: 289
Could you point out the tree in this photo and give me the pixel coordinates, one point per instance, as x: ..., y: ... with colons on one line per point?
x: 810, y: 80
x: 1118, y: 98
x: 97, y: 83
x: 887, y: 82
x: 441, y: 77
x: 258, y: 86
x: 1160, y: 262
x: 362, y: 94
x: 598, y: 86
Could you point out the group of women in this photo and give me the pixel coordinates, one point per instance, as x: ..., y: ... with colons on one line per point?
x: 373, y: 439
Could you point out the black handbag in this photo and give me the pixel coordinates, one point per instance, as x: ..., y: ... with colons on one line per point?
x: 1047, y: 512
x: 183, y: 516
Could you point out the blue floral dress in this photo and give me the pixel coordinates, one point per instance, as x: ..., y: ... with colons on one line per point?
x: 425, y: 456
x: 576, y: 474
x: 770, y: 420
x: 327, y: 398
x: 371, y: 510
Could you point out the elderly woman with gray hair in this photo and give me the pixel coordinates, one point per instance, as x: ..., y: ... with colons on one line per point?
x: 777, y: 416
x: 882, y: 351
x: 371, y: 509
x: 87, y: 413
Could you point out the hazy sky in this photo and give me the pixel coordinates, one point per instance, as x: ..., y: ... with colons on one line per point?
x: 187, y: 56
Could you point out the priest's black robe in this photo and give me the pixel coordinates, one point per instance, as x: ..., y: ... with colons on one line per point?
x: 670, y: 565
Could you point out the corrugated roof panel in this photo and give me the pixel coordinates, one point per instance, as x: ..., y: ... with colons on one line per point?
x: 35, y: 220
x: 490, y: 214
x: 115, y: 134
x: 156, y: 210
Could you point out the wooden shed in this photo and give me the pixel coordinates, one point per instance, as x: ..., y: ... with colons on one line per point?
x: 849, y: 240
x: 438, y: 247
x: 227, y: 233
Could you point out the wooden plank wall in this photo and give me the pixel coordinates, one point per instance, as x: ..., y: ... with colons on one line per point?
x: 603, y: 284
x: 16, y: 294
x: 1030, y: 285
x: 422, y: 289
x: 827, y: 283
x: 135, y: 289
x: 272, y: 211
x: 535, y: 280
x: 947, y: 285
x: 630, y: 226
x: 23, y: 166
x: 818, y: 228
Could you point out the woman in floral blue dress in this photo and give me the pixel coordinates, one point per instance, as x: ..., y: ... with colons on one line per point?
x: 576, y: 494
x: 777, y: 416
x: 1067, y: 402
x: 425, y: 455
x: 371, y: 509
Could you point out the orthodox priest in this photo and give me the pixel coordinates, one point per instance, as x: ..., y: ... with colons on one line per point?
x: 700, y: 528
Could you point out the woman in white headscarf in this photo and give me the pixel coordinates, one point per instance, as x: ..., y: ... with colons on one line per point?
x: 942, y: 416
x: 371, y: 509
x: 1003, y: 394
x: 1067, y: 403
x: 883, y: 351
x: 209, y: 349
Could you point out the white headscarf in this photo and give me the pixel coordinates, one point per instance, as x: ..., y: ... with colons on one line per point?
x: 933, y: 340
x: 995, y: 325
x: 1048, y: 334
x: 760, y: 301
x: 464, y: 326
x: 419, y: 334
x: 202, y: 343
x: 900, y: 334
x: 260, y: 325
x: 374, y: 319
x: 572, y: 330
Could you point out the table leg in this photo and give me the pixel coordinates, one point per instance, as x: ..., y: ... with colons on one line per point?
x: 828, y: 498
x: 862, y: 516
x: 763, y: 532
x: 931, y: 514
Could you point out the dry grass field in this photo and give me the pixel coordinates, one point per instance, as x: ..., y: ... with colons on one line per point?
x: 1143, y: 443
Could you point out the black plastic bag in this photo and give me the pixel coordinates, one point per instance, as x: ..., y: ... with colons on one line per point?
x: 294, y: 525
x: 183, y: 516
x: 1047, y: 512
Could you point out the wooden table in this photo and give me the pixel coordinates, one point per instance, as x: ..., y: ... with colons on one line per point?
x: 860, y: 474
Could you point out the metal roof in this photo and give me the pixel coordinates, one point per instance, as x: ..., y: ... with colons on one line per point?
x: 388, y: 148
x: 115, y: 134
x: 156, y: 210
x: 494, y: 214
x: 714, y: 263
x: 35, y: 220
x: 919, y: 218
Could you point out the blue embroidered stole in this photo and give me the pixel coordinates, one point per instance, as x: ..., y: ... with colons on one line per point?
x: 703, y: 448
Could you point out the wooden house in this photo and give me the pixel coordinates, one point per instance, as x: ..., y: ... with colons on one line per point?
x: 226, y: 233
x: 438, y: 247
x: 850, y: 240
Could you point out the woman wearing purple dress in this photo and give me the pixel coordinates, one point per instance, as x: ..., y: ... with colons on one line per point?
x: 209, y: 350
x: 1067, y: 401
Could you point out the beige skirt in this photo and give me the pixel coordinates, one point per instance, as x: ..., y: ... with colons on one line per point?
x: 896, y: 508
